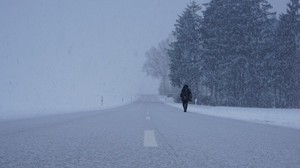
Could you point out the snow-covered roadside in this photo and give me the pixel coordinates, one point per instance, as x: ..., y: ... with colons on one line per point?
x: 23, y: 113
x: 280, y: 117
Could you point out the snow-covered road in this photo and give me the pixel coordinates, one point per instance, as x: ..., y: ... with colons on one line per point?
x: 146, y: 133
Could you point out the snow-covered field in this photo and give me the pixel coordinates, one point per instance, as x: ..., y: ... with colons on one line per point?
x: 24, y: 111
x: 280, y: 117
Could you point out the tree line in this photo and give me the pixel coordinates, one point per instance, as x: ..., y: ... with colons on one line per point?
x: 233, y: 53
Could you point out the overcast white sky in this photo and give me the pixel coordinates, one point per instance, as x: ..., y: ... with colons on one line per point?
x: 74, y: 51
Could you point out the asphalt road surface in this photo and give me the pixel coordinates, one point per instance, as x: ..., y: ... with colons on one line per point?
x: 146, y: 133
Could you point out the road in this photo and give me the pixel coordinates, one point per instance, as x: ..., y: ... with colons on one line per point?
x: 146, y: 133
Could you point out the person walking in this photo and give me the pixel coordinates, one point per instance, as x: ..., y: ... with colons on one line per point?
x: 186, y: 96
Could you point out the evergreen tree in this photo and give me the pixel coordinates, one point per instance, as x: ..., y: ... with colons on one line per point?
x: 286, y: 66
x: 236, y: 35
x: 259, y: 31
x: 214, y: 49
x: 185, y: 52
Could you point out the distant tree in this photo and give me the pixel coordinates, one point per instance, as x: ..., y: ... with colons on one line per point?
x: 185, y: 51
x: 287, y: 59
x: 157, y: 65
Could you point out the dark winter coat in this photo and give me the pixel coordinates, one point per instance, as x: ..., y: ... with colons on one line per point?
x: 186, y: 94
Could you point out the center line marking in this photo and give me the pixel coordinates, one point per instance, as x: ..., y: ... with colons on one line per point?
x: 148, y: 118
x: 149, y: 139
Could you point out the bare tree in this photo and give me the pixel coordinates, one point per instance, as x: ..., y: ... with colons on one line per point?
x: 157, y: 65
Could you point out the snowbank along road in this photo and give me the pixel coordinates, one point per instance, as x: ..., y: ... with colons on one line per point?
x: 146, y: 133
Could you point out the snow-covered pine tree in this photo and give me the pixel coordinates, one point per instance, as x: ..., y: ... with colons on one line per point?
x: 235, y: 35
x: 185, y: 51
x: 259, y: 35
x: 212, y: 27
x: 286, y: 66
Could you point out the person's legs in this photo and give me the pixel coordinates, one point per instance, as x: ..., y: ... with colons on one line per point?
x: 184, y: 106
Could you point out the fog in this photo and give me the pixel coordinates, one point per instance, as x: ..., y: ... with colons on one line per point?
x: 67, y: 54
